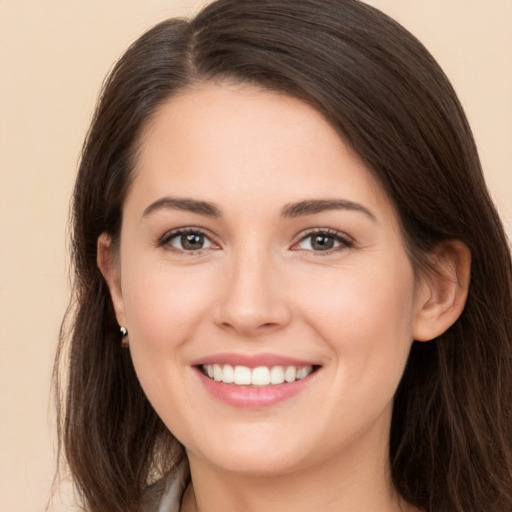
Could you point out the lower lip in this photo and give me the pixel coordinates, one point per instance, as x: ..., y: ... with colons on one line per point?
x: 253, y: 396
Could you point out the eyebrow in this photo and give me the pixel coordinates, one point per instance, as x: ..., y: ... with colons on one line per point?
x: 292, y: 210
x: 184, y: 204
x: 313, y: 206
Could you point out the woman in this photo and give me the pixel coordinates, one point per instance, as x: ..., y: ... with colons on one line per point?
x: 277, y: 214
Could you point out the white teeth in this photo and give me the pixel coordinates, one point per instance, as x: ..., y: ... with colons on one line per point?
x: 228, y: 375
x: 277, y: 375
x: 260, y: 376
x: 242, y: 375
x: 304, y: 372
x: 290, y: 374
x: 217, y: 372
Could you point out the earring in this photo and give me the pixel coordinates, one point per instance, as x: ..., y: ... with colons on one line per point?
x: 124, y: 334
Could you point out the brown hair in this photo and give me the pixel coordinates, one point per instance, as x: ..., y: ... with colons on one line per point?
x: 450, y: 441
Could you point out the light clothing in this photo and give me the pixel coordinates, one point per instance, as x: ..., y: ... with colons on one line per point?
x: 165, y: 495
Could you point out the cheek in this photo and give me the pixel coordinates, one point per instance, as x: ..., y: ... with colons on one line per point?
x: 366, y: 320
x: 361, y: 298
x: 163, y: 305
x: 366, y: 316
x: 164, y: 309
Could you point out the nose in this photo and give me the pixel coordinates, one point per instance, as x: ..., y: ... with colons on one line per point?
x: 253, y: 299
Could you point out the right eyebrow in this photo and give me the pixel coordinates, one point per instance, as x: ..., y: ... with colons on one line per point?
x: 184, y: 204
x: 314, y: 206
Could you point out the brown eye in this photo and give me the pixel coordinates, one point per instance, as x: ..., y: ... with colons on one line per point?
x: 322, y: 241
x: 192, y: 241
x: 188, y: 241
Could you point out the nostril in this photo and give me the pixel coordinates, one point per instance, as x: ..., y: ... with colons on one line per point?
x: 250, y: 321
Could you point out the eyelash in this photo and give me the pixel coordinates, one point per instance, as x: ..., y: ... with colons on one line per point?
x: 343, y: 241
x: 165, y: 240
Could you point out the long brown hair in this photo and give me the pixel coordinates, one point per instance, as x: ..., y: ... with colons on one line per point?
x: 450, y: 441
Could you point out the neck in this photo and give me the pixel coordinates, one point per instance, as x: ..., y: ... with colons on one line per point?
x: 351, y: 486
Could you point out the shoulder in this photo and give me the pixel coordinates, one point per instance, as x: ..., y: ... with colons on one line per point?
x: 165, y: 494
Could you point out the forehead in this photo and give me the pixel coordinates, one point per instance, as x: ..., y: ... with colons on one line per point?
x: 225, y: 141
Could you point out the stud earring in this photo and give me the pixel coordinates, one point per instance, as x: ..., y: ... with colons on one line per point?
x: 124, y: 334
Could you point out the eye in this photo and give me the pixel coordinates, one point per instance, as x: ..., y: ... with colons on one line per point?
x: 322, y: 241
x: 187, y: 240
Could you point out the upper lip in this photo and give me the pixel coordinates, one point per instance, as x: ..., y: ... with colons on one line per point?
x: 252, y: 360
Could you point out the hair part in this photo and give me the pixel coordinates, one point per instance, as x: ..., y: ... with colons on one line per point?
x: 450, y: 442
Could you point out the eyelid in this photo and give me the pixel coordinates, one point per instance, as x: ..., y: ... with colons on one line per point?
x: 163, y: 241
x: 344, y: 240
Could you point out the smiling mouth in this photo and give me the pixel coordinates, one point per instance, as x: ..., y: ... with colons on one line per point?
x: 259, y: 376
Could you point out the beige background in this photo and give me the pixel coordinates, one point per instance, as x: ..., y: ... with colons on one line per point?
x: 53, y: 56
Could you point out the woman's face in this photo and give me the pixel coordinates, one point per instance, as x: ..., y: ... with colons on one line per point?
x: 256, y: 246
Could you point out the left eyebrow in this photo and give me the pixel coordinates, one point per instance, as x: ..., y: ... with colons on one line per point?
x: 313, y: 206
x: 184, y: 204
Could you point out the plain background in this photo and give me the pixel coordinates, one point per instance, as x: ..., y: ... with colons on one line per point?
x: 53, y: 57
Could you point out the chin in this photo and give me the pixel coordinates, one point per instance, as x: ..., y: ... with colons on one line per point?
x: 257, y: 465
x: 253, y: 455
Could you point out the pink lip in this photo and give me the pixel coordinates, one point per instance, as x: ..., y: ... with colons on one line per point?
x: 254, y: 397
x: 252, y: 360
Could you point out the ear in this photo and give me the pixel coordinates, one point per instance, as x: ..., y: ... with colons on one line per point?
x: 108, y: 263
x: 442, y: 293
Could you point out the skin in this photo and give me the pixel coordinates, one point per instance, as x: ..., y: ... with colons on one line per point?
x: 258, y: 285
